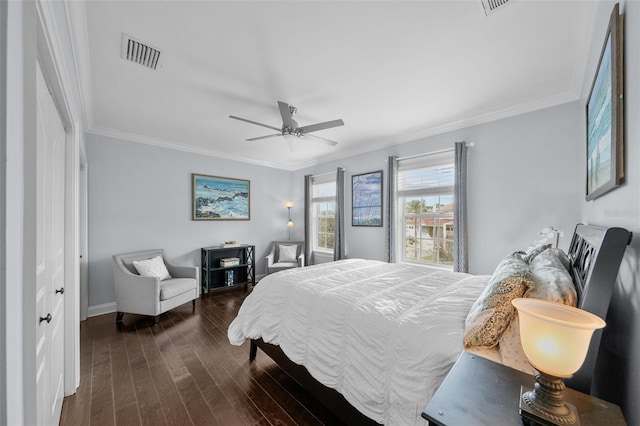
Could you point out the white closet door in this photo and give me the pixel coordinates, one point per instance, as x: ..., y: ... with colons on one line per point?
x: 50, y: 257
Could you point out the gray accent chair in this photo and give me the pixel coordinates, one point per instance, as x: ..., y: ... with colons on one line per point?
x: 274, y: 264
x: 136, y: 294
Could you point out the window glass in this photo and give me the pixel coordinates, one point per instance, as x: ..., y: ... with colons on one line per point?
x: 323, y: 217
x: 425, y: 201
x: 325, y: 224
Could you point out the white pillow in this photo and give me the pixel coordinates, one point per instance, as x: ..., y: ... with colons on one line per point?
x: 287, y: 253
x: 153, y: 267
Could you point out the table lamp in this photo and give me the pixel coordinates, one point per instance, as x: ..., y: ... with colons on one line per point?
x: 555, y: 339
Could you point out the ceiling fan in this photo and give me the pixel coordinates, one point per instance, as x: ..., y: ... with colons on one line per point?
x: 290, y: 130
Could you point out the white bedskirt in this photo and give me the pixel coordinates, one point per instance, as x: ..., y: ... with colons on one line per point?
x: 383, y: 335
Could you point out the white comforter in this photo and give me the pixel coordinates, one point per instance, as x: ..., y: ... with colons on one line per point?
x: 384, y: 335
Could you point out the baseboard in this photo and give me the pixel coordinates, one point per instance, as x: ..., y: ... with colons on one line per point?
x: 105, y: 308
x: 320, y: 257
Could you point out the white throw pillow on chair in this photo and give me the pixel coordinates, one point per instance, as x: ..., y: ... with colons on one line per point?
x: 287, y: 253
x: 153, y: 267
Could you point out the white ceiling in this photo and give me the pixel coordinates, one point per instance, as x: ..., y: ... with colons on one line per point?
x: 393, y: 71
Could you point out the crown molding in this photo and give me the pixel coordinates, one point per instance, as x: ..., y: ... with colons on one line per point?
x: 380, y: 143
x: 567, y: 96
x: 162, y: 143
x: 512, y: 111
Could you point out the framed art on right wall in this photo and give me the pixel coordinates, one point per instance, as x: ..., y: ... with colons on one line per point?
x: 605, y: 115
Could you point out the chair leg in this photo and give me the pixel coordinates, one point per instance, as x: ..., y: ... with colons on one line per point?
x: 253, y: 350
x: 193, y: 303
x: 156, y: 318
x: 119, y: 316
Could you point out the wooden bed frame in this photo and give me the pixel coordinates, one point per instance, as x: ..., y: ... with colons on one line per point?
x: 595, y: 254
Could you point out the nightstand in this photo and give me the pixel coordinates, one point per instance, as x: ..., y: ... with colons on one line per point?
x: 481, y: 392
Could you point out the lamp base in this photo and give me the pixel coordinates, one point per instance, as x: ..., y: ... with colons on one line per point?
x: 536, y: 412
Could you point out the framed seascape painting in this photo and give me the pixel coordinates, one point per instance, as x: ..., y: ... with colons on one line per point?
x: 367, y: 199
x: 219, y: 198
x: 605, y: 115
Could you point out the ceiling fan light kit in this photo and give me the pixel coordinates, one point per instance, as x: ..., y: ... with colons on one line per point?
x: 290, y: 130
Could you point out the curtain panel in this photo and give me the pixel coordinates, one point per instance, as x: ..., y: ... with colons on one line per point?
x: 390, y: 211
x: 460, y: 245
x: 308, y: 238
x: 339, y: 243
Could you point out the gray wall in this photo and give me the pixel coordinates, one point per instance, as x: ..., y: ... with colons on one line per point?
x: 523, y: 175
x: 140, y: 197
x: 618, y: 371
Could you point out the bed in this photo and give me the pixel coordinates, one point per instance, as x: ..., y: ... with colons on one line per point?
x: 373, y: 341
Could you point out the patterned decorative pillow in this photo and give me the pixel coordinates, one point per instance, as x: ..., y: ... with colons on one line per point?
x: 531, y: 254
x: 153, y: 267
x: 552, y: 280
x: 287, y: 253
x: 492, y: 312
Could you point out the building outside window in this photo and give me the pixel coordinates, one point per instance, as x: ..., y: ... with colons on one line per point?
x: 323, y: 212
x: 425, y: 209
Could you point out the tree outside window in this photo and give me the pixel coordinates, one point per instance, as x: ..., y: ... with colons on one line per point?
x: 325, y: 225
x: 428, y: 229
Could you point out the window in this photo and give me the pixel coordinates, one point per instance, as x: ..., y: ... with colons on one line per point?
x: 425, y: 209
x: 323, y: 198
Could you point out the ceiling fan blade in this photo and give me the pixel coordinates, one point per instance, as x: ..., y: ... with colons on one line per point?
x: 285, y: 112
x: 255, y: 122
x: 320, y: 139
x: 263, y: 137
x: 321, y: 126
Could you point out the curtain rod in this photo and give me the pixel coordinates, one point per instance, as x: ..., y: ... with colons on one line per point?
x: 408, y: 157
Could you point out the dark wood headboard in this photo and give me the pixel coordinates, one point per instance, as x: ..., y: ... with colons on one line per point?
x: 595, y: 254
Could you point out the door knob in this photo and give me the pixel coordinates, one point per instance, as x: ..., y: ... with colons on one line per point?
x: 47, y: 319
x: 60, y: 290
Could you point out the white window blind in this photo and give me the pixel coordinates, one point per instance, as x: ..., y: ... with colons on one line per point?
x: 426, y: 175
x: 323, y: 188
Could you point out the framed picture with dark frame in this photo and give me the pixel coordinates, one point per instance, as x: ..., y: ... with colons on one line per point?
x: 220, y: 198
x: 605, y: 115
x: 366, y: 207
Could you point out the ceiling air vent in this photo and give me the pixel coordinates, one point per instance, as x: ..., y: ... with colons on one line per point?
x: 136, y: 51
x: 491, y: 6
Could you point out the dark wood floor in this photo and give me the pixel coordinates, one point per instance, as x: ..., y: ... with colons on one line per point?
x: 182, y: 371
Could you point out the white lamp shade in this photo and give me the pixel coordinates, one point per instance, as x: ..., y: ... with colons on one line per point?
x: 555, y: 337
x: 290, y: 224
x: 289, y: 203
